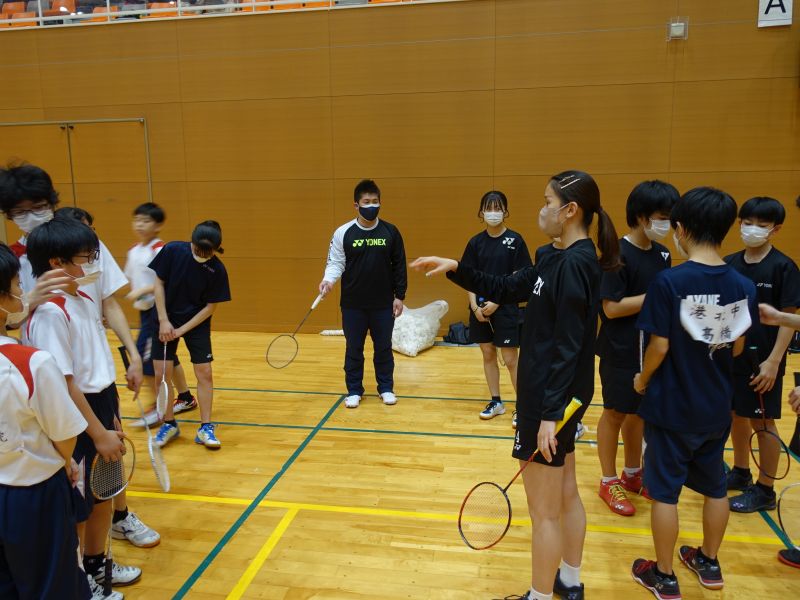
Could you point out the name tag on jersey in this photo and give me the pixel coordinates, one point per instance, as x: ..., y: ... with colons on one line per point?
x: 713, y: 324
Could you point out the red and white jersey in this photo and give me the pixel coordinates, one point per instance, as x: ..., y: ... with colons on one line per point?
x: 111, y: 278
x: 70, y: 328
x: 138, y: 271
x: 35, y: 408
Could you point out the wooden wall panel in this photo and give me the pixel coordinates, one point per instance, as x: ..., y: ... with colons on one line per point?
x: 44, y: 145
x: 119, y: 64
x: 108, y: 152
x: 268, y: 219
x: 266, y: 56
x: 19, y: 71
x: 736, y: 125
x: 258, y: 139
x: 413, y: 135
x: 616, y: 129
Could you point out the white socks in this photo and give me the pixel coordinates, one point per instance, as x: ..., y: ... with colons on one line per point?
x: 631, y: 471
x: 534, y: 595
x: 608, y: 479
x: 570, y: 576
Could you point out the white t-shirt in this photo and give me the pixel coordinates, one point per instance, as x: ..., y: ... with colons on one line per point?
x: 139, y: 273
x: 70, y: 328
x: 111, y: 277
x: 35, y: 408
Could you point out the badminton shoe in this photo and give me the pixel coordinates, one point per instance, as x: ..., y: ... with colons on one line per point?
x: 632, y: 483
x: 493, y: 409
x: 166, y: 433
x: 739, y: 479
x: 613, y: 494
x: 753, y: 499
x: 567, y: 593
x: 183, y: 405
x: 790, y: 557
x: 207, y: 437
x: 579, y: 431
x: 389, y: 398
x: 352, y: 401
x: 707, y: 571
x: 97, y: 591
x: 137, y: 533
x: 664, y: 587
x: 120, y: 575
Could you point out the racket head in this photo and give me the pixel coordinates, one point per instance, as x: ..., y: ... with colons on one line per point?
x: 784, y: 460
x: 109, y: 478
x: 162, y: 398
x: 789, y: 513
x: 282, y: 351
x: 158, y: 463
x: 485, y: 516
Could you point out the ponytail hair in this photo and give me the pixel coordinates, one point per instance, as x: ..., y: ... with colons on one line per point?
x: 208, y: 237
x: 581, y: 188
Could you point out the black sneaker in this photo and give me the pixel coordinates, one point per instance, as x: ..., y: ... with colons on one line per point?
x: 664, y: 587
x: 709, y: 574
x: 567, y: 593
x: 790, y: 557
x: 738, y: 481
x: 751, y: 500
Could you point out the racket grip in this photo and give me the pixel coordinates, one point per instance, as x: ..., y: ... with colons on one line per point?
x: 316, y: 302
x: 571, y: 409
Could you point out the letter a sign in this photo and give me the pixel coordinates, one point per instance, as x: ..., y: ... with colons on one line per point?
x: 772, y: 13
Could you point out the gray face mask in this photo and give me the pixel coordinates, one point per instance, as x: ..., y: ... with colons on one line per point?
x: 32, y: 219
x: 658, y: 229
x: 493, y: 218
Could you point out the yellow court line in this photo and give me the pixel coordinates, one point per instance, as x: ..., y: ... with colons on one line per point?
x: 429, y: 516
x: 254, y: 567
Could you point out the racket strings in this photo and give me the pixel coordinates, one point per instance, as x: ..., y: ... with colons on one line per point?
x: 159, y: 465
x: 485, y: 516
x: 282, y: 351
x: 757, y: 441
x: 109, y: 478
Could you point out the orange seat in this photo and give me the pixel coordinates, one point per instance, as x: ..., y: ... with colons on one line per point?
x: 63, y: 6
x: 23, y: 15
x: 287, y: 6
x: 316, y: 4
x: 9, y: 8
x: 103, y: 19
x: 161, y: 5
x: 246, y: 8
x: 382, y: 1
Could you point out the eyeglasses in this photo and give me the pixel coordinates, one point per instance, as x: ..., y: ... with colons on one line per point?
x: 39, y: 209
x: 90, y: 258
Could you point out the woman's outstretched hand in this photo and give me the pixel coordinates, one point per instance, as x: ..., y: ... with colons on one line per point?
x: 433, y: 265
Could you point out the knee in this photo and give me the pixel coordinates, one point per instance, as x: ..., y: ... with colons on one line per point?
x: 204, y: 373
x: 489, y: 353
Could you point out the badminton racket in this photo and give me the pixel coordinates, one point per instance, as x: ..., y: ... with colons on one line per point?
x: 106, y: 480
x: 482, y: 304
x: 156, y: 457
x: 163, y: 391
x: 485, y: 514
x: 759, y: 436
x: 283, y: 349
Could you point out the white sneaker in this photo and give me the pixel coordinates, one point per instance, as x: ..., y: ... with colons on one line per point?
x: 120, y: 575
x: 389, y: 398
x: 137, y: 533
x: 579, y: 431
x: 97, y: 591
x: 493, y: 409
x: 352, y: 401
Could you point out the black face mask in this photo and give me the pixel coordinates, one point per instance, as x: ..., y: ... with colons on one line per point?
x: 369, y: 213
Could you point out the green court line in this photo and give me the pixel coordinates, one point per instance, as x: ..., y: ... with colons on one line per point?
x: 198, y: 572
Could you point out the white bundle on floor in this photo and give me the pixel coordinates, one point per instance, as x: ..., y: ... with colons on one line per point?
x: 416, y: 329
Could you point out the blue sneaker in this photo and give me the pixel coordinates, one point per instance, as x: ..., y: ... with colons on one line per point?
x: 166, y: 433
x: 205, y: 435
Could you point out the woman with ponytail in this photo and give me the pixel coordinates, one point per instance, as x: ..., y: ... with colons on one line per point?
x: 556, y: 363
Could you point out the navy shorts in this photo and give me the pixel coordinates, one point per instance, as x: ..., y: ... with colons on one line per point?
x: 39, y: 543
x: 676, y: 458
x: 197, y: 340
x: 525, y: 439
x: 745, y: 400
x: 148, y: 320
x: 618, y: 392
x: 506, y: 324
x: 105, y: 406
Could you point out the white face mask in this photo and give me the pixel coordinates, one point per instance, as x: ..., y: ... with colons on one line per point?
x: 15, y: 318
x: 547, y: 225
x: 754, y: 236
x: 493, y: 218
x: 91, y: 273
x: 658, y: 229
x: 681, y: 252
x: 200, y: 259
x: 32, y: 219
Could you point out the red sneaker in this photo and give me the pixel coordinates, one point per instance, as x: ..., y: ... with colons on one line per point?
x: 613, y: 494
x: 790, y: 557
x: 632, y: 483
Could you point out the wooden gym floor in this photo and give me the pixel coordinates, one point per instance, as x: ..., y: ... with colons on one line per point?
x: 308, y: 499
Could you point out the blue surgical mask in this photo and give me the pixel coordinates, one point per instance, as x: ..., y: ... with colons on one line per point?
x: 369, y: 213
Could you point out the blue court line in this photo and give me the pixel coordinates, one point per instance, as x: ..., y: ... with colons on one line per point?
x: 198, y: 572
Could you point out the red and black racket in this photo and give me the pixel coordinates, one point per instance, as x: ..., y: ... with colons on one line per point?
x: 485, y: 514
